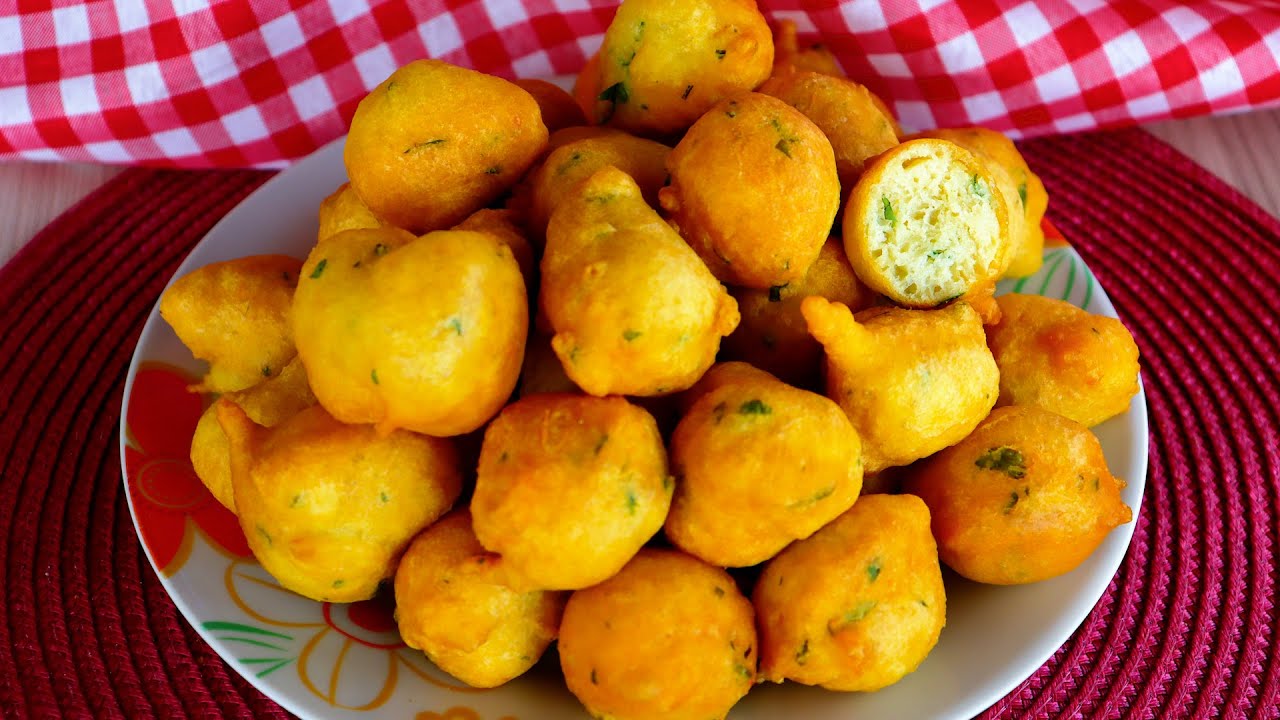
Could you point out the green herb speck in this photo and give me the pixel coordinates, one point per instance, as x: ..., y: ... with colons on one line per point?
x: 604, y: 439
x: 802, y: 655
x: 630, y: 335
x: 822, y: 494
x: 889, y: 215
x: 784, y: 146
x: 266, y: 536
x: 296, y: 501
x: 339, y: 583
x: 720, y: 54
x: 859, y: 611
x: 1003, y: 459
x: 1022, y: 194
x: 978, y: 187
x: 1097, y: 484
x: 422, y: 145
x: 380, y: 249
x: 687, y: 89
x: 743, y: 671
x: 266, y: 371
x: 775, y: 292
x: 384, y: 498
x: 668, y: 482
x: 719, y: 591
x: 1013, y: 502
x: 718, y: 411
x: 754, y: 407
x: 873, y: 569
x: 594, y: 680
x: 615, y: 93
x: 456, y: 324
x: 493, y: 170
x: 632, y: 502
x: 373, y: 375
x: 504, y: 456
x: 320, y: 266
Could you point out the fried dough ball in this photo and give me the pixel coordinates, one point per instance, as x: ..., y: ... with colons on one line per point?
x: 434, y: 142
x: 789, y: 57
x: 572, y: 163
x: 925, y: 224
x: 1055, y: 356
x: 268, y: 403
x: 753, y: 190
x: 1022, y: 190
x: 452, y: 604
x: 569, y: 487
x: 235, y: 316
x: 501, y: 224
x: 759, y: 464
x: 633, y: 309
x: 542, y: 371
x: 425, y: 334
x: 857, y: 606
x: 559, y: 109
x: 911, y: 381
x: 772, y: 334
x: 344, y: 210
x: 665, y: 63
x: 328, y: 508
x: 846, y: 112
x: 722, y: 373
x: 1026, y: 497
x: 667, y: 637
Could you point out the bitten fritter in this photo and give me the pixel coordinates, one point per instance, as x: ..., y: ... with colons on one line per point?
x: 759, y: 464
x: 753, y: 190
x: 344, y: 210
x: 1026, y: 497
x: 668, y: 637
x: 235, y: 316
x: 665, y: 62
x: 452, y: 604
x: 425, y: 334
x: 846, y: 112
x: 434, y: 142
x: 926, y: 224
x: 789, y: 57
x: 559, y: 109
x: 569, y: 165
x: 857, y: 606
x: 569, y: 487
x: 912, y: 381
x: 1024, y: 194
x: 328, y: 508
x: 268, y: 403
x: 1055, y: 356
x: 633, y: 309
x: 772, y: 334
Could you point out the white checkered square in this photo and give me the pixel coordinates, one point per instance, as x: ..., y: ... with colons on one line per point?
x: 961, y: 53
x: 79, y: 96
x: 15, y: 108
x: 189, y: 7
x: 1127, y: 54
x: 890, y: 65
x: 311, y: 97
x: 1222, y: 80
x: 283, y: 34
x: 131, y: 15
x: 108, y: 151
x: 178, y: 142
x: 214, y: 64
x: 537, y: 65
x: 1027, y: 23
x: 863, y: 15
x: 374, y: 65
x: 344, y: 11
x: 1072, y: 123
x: 984, y: 106
x: 914, y: 115
x: 245, y: 126
x: 145, y: 82
x: 1185, y: 22
x: 505, y: 13
x: 440, y: 35
x: 70, y: 25
x: 1058, y: 84
x: 1154, y: 105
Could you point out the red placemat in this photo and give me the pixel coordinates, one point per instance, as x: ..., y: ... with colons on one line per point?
x: 1188, y: 628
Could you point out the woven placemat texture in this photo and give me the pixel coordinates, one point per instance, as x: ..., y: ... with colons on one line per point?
x: 1188, y: 628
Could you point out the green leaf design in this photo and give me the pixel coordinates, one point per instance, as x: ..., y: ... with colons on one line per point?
x: 215, y: 625
x: 260, y: 639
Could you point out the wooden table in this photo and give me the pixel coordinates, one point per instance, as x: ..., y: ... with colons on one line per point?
x: 1237, y: 148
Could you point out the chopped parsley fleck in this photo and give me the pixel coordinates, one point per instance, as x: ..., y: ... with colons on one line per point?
x: 802, y: 655
x: 384, y: 498
x: 1097, y: 484
x: 889, y: 215
x: 266, y: 536
x: 355, y: 264
x: 719, y: 591
x: 1005, y: 460
x: 266, y: 371
x: 630, y: 335
x: 390, y: 85
x: 668, y: 482
x: 687, y: 89
x: 456, y: 324
x: 1012, y: 503
x: 615, y: 93
x: 731, y: 113
x: 923, y: 604
x: 604, y: 440
x: 720, y: 54
x: 775, y: 292
x: 979, y: 188
x: 320, y: 266
x: 380, y: 249
x: 339, y: 583
x: 743, y: 671
x: 859, y: 611
x: 754, y: 407
x: 718, y: 411
x: 565, y: 166
x: 873, y: 569
x: 632, y: 502
x: 419, y: 146
x: 1022, y: 194
x: 504, y: 456
x: 784, y: 146
x: 594, y: 680
x: 822, y: 494
x: 296, y: 501
x: 493, y: 170
x: 373, y: 375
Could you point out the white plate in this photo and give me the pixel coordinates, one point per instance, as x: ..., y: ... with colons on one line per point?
x: 330, y: 661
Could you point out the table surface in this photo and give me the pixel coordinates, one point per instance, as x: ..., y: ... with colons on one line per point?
x: 1232, y: 147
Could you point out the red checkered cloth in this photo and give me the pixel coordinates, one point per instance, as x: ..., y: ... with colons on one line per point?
x: 201, y: 83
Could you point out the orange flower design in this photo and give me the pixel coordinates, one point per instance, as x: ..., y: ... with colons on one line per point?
x: 170, y: 504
